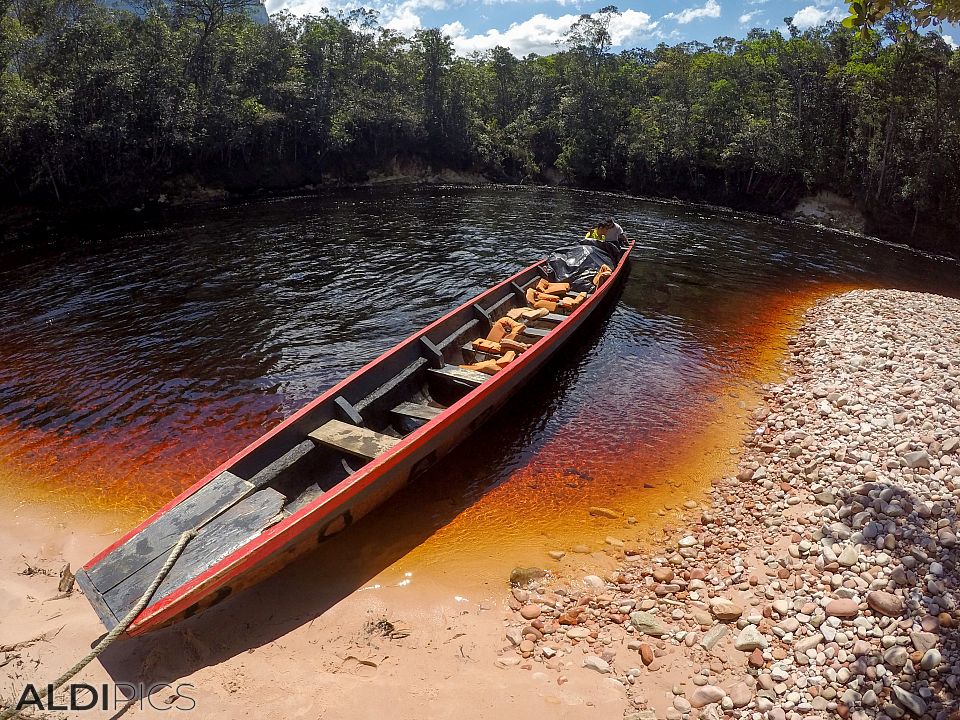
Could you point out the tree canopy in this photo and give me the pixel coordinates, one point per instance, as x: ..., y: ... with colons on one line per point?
x: 901, y: 17
x: 102, y: 107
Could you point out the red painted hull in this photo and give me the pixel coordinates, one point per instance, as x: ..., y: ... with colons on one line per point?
x: 366, y: 488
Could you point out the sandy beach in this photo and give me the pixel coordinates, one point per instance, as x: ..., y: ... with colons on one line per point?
x: 817, y: 579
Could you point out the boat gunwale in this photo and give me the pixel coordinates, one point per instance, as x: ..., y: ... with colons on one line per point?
x: 292, y: 526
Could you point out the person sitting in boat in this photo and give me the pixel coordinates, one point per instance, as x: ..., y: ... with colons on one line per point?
x: 608, y: 231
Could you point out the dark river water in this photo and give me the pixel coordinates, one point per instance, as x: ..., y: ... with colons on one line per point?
x: 131, y: 365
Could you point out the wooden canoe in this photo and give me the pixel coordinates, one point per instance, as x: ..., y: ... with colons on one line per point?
x: 330, y: 463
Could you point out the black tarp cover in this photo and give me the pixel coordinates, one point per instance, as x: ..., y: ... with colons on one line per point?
x: 578, y: 264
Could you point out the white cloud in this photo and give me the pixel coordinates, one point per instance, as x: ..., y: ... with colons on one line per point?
x: 710, y: 10
x: 628, y: 26
x: 454, y: 29
x: 949, y: 41
x: 747, y: 17
x: 400, y: 15
x: 811, y: 16
x: 540, y: 33
x: 402, y: 19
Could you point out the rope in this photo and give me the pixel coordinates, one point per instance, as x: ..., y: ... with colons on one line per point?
x: 178, y: 549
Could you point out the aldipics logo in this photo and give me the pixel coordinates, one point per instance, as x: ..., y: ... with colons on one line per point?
x: 115, y: 696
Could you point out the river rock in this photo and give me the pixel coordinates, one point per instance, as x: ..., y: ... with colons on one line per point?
x: 931, y: 659
x: 923, y: 641
x: 848, y: 556
x: 726, y: 611
x: 896, y: 657
x: 646, y: 654
x: 681, y: 704
x: 596, y: 663
x: 524, y: 576
x: 916, y: 459
x: 663, y: 575
x: 750, y: 639
x: 808, y: 643
x: 712, y: 636
x: 603, y: 512
x: 825, y: 498
x: 885, y: 603
x: 648, y: 624
x: 741, y: 694
x: 530, y: 612
x: 705, y: 695
x: 843, y: 608
x: 913, y: 703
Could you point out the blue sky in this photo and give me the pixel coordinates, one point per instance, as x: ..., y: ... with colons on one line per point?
x: 527, y: 26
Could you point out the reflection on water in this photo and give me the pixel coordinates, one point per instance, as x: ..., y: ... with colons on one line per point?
x: 132, y: 365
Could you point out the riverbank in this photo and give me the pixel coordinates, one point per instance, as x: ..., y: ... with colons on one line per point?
x: 324, y: 633
x: 26, y: 226
x: 819, y: 581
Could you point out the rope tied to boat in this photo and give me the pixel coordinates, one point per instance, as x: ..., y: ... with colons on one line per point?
x: 175, y: 553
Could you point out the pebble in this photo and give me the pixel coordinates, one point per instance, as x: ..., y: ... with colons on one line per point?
x: 726, y: 611
x: 931, y: 659
x: 596, y: 663
x: 646, y: 654
x: 750, y: 639
x: 843, y: 608
x: 912, y: 703
x: 530, y: 612
x: 741, y: 694
x: 648, y: 624
x: 603, y: 512
x: 885, y: 603
x: 705, y: 695
x: 713, y: 636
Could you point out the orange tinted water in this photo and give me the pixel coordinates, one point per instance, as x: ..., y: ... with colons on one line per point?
x: 131, y: 366
x: 645, y: 475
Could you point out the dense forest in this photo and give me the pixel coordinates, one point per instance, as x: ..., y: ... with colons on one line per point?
x: 103, y: 108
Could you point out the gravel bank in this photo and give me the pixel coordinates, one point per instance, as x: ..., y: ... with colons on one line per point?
x: 822, y: 581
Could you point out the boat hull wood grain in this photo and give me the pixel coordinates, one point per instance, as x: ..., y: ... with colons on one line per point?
x: 330, y: 463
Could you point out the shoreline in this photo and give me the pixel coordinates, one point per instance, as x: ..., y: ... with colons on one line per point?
x: 23, y: 226
x: 821, y: 580
x: 323, y: 632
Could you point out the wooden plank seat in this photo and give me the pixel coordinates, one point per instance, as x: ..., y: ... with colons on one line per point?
x: 536, y: 332
x: 357, y: 441
x: 282, y: 463
x: 552, y: 318
x: 417, y: 411
x: 460, y: 375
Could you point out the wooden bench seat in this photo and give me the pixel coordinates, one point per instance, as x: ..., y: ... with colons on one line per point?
x: 460, y: 375
x: 357, y: 441
x: 417, y: 411
x: 536, y: 332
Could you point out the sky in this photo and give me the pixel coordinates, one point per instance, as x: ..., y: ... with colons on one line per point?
x: 526, y: 26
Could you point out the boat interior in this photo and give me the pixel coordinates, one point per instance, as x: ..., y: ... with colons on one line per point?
x: 400, y: 392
